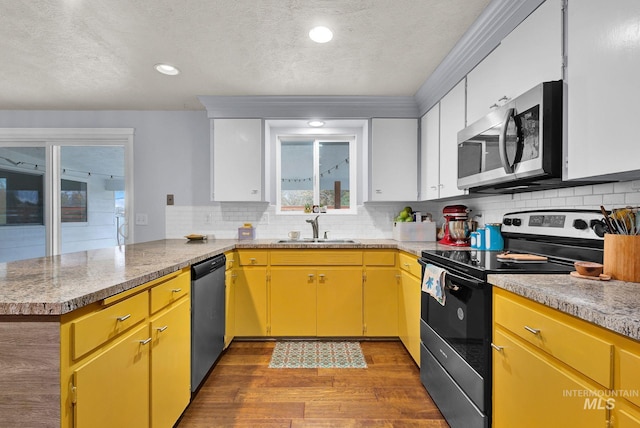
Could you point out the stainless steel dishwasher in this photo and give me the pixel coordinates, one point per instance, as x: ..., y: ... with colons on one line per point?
x: 207, y: 316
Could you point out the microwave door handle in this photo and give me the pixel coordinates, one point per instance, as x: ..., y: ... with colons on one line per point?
x: 502, y: 142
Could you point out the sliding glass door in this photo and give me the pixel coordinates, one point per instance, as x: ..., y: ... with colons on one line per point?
x: 64, y: 190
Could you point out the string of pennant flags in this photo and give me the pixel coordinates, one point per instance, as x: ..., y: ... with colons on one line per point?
x: 328, y: 172
x: 40, y: 167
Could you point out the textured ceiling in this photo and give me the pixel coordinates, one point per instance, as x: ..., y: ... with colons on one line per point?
x: 99, y: 54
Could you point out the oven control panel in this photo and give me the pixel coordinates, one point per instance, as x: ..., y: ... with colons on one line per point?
x: 585, y: 224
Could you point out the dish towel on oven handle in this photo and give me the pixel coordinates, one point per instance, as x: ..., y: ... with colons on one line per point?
x: 433, y: 282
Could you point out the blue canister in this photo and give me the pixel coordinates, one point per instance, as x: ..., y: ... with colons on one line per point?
x: 480, y: 239
x: 493, y: 238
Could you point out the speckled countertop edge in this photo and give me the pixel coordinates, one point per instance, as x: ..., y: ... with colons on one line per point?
x: 614, y: 305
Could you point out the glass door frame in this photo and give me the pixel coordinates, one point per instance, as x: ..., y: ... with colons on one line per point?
x: 52, y: 139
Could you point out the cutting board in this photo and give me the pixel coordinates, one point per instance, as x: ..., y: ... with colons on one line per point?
x: 522, y: 258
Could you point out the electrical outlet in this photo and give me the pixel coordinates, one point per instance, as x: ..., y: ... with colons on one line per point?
x: 264, y: 219
x: 142, y: 219
x: 169, y: 199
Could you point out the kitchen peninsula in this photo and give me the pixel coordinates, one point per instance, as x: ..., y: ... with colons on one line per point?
x: 38, y: 294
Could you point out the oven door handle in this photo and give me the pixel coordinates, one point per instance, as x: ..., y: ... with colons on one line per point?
x: 459, y: 280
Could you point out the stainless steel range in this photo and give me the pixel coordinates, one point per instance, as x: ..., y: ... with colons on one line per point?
x: 456, y: 338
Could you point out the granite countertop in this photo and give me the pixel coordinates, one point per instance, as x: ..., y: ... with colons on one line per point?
x: 60, y: 284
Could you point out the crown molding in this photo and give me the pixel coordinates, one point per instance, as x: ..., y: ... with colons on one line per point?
x: 293, y: 107
x: 498, y: 19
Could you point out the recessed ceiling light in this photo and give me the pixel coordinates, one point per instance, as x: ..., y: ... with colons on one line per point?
x: 320, y: 34
x: 167, y: 69
x: 315, y: 123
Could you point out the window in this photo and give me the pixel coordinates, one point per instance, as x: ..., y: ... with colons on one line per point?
x: 21, y: 198
x: 316, y: 171
x: 73, y: 201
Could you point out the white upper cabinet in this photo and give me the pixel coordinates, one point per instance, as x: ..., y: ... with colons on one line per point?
x: 439, y: 158
x: 603, y: 50
x: 237, y: 160
x: 529, y: 55
x: 452, y: 114
x: 430, y: 154
x: 394, y: 160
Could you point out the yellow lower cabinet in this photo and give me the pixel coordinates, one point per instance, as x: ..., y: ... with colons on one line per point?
x: 293, y: 301
x: 339, y: 301
x: 229, y: 306
x: 251, y: 301
x: 380, y: 299
x: 623, y: 413
x: 112, y: 389
x: 170, y: 364
x: 531, y: 389
x: 409, y: 314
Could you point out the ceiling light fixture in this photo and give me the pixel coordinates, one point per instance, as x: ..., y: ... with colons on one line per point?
x: 167, y: 69
x: 315, y: 123
x: 320, y: 34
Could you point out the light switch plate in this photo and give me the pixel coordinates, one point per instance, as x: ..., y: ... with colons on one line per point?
x: 169, y: 199
x: 142, y: 219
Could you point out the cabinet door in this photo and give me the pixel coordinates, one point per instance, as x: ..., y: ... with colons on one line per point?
x: 170, y: 364
x: 394, y: 165
x: 531, y: 390
x: 237, y: 160
x: 529, y: 55
x: 251, y: 301
x: 409, y: 314
x: 112, y: 389
x: 293, y: 301
x: 624, y: 414
x: 430, y: 154
x: 381, y: 302
x: 602, y: 88
x: 452, y: 114
x: 339, y: 310
x: 229, y: 306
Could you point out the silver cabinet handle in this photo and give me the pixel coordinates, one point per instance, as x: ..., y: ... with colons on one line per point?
x: 161, y: 329
x: 252, y: 260
x: 496, y: 347
x: 176, y: 290
x: 321, y: 275
x: 504, y: 98
x: 532, y: 330
x: 144, y: 342
x: 233, y: 275
x: 398, y: 276
x: 434, y: 187
x: 311, y: 275
x: 378, y: 191
x: 124, y: 317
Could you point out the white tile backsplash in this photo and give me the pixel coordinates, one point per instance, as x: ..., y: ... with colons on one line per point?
x: 375, y: 220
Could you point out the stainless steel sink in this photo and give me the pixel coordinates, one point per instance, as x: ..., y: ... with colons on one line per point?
x: 316, y: 241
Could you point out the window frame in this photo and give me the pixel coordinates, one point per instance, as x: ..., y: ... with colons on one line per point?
x: 351, y: 139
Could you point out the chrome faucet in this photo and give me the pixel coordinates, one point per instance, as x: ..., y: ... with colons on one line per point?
x: 314, y: 225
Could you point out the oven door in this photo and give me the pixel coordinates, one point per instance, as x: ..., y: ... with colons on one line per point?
x: 458, y: 334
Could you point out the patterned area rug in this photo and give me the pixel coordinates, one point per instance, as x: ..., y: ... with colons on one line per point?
x: 308, y: 355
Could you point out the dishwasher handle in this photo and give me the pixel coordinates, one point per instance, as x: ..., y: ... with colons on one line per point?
x: 206, y: 267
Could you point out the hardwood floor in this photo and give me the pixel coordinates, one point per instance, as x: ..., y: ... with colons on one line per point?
x: 242, y: 391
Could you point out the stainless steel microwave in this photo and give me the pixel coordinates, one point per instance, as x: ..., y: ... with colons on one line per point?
x: 517, y: 147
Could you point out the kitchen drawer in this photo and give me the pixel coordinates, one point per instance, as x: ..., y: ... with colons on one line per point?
x: 316, y: 258
x: 565, y: 338
x: 628, y: 367
x: 252, y: 257
x: 98, y: 327
x: 379, y: 258
x: 410, y: 263
x: 170, y: 291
